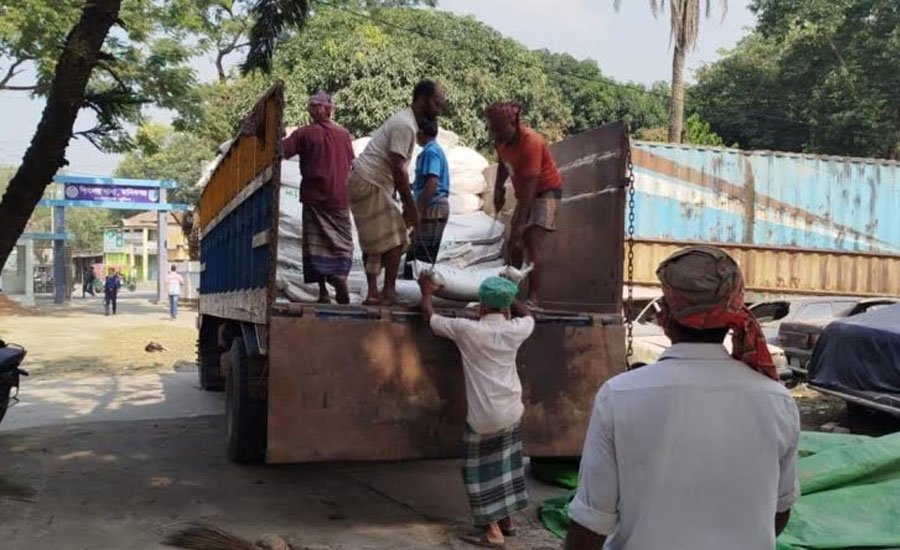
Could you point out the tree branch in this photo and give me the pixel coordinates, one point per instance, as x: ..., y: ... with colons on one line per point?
x: 11, y: 73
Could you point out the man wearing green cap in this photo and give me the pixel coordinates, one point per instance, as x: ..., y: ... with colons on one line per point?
x: 493, y: 472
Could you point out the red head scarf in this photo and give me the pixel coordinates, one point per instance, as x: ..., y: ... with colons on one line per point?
x: 503, y: 112
x: 704, y: 289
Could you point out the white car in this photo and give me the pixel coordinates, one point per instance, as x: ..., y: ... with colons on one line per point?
x: 650, y: 342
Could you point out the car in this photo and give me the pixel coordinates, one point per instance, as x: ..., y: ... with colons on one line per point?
x: 650, y: 342
x: 858, y: 359
x: 773, y: 313
x: 798, y: 339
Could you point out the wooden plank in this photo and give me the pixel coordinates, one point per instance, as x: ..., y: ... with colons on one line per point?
x: 388, y: 390
x: 250, y: 306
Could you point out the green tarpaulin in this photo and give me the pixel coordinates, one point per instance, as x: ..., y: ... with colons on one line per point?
x: 850, y: 489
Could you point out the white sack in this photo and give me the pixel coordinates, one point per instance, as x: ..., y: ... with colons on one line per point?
x: 465, y: 204
x: 465, y: 159
x: 459, y: 284
x: 467, y: 183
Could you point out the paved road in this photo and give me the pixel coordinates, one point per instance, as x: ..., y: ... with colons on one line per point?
x: 62, y: 401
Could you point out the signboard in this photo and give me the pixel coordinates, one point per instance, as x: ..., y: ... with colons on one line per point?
x: 113, y: 240
x: 108, y: 193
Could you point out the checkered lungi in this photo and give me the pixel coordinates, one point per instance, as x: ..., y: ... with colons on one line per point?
x: 494, y: 474
x: 327, y: 243
x: 545, y: 210
x: 379, y: 221
x: 425, y: 242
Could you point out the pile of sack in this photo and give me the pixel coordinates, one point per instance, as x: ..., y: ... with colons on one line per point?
x: 471, y: 248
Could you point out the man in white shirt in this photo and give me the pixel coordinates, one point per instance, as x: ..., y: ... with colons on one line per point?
x: 493, y: 473
x: 697, y: 451
x: 380, y: 170
x: 174, y: 281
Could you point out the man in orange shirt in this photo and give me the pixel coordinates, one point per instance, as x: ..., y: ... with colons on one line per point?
x: 525, y: 157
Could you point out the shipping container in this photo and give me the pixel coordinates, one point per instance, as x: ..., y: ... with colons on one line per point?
x: 798, y: 224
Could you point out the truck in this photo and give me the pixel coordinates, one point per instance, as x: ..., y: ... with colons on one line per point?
x: 311, y: 382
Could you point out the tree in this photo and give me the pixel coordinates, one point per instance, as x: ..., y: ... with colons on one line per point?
x: 815, y: 76
x: 596, y: 99
x: 370, y: 65
x: 162, y: 153
x: 66, y: 96
x: 113, y: 75
x: 685, y: 26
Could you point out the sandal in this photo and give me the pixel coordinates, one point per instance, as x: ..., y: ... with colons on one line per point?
x: 479, y: 538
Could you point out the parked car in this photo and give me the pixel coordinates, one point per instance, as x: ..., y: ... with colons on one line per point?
x: 772, y: 314
x: 798, y: 339
x: 858, y: 360
x: 650, y: 342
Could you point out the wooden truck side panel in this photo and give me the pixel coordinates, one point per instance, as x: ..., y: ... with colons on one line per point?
x: 387, y: 389
x: 239, y: 218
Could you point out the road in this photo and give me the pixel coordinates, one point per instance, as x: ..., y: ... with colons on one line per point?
x: 105, y: 463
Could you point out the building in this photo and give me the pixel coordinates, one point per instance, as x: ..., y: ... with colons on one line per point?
x: 131, y: 247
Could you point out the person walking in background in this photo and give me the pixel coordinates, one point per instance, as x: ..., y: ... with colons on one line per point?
x: 174, y: 280
x: 525, y: 157
x: 88, y: 282
x: 493, y: 472
x: 111, y: 291
x: 698, y: 450
x: 379, y: 172
x: 326, y: 153
x: 431, y: 190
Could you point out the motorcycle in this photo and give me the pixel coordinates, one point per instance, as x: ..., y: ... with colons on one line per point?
x: 11, y: 356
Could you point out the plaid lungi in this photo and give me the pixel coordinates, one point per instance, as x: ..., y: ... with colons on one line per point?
x: 379, y: 220
x: 494, y: 474
x: 327, y: 243
x: 426, y: 239
x: 545, y: 209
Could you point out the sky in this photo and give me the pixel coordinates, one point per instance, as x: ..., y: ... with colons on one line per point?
x: 628, y: 45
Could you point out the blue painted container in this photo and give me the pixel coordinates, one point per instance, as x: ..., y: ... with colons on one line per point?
x: 766, y: 198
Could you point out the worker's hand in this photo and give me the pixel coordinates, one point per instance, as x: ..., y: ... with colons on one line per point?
x: 411, y: 215
x: 499, y: 200
x: 427, y: 284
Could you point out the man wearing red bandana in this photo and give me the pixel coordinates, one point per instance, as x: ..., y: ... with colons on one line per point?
x: 698, y: 450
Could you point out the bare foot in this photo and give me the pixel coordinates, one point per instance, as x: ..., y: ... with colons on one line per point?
x: 324, y: 299
x: 372, y: 301
x: 388, y: 297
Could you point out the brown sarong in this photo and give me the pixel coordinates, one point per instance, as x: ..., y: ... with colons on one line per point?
x: 327, y: 243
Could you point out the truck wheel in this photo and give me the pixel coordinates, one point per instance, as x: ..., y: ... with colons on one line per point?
x: 5, y: 390
x: 209, y: 357
x: 246, y: 414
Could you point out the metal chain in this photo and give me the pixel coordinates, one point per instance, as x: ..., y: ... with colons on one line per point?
x: 629, y: 308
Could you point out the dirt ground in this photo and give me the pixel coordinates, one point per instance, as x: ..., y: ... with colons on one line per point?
x: 79, y: 340
x: 116, y: 485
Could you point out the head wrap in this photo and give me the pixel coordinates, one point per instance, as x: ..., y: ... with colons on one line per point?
x: 497, y: 292
x: 503, y: 112
x: 704, y: 289
x: 321, y: 98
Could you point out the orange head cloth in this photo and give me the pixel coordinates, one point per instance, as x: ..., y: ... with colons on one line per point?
x: 503, y: 112
x: 704, y: 289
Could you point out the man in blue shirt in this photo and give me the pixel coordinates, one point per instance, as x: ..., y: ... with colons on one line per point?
x: 431, y: 190
x: 111, y: 291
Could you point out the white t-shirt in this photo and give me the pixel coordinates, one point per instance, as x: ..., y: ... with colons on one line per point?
x: 488, y: 348
x: 697, y: 451
x: 174, y: 281
x: 397, y: 135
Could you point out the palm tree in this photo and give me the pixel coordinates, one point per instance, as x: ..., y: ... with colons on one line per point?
x: 685, y: 27
x: 270, y: 19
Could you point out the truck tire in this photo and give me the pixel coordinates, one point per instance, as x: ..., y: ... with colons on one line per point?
x: 209, y: 358
x: 246, y: 414
x: 5, y: 390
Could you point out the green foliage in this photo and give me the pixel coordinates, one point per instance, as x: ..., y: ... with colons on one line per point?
x: 596, y: 99
x: 144, y: 61
x: 371, y: 66
x: 816, y: 75
x: 162, y: 153
x: 697, y: 131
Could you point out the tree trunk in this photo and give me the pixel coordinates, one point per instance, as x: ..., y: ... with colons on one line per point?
x: 676, y: 102
x: 46, y: 154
